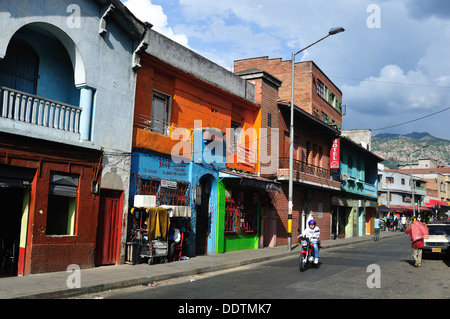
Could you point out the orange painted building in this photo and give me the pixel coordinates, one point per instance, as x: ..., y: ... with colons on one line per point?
x: 187, y: 109
x: 187, y: 99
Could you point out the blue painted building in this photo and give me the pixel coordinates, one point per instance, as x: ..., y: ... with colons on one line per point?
x: 179, y: 91
x: 355, y: 207
x: 67, y: 84
x: 188, y: 187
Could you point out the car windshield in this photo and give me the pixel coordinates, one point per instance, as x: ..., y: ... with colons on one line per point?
x: 439, y: 229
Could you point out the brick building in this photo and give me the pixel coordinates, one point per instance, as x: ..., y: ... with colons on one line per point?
x: 318, y: 119
x: 314, y: 91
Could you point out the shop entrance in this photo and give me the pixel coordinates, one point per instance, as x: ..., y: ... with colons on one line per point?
x: 203, y: 220
x: 10, y: 229
x: 15, y: 188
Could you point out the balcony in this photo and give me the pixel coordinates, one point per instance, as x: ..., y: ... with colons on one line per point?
x: 156, y: 135
x: 307, y: 173
x: 34, y: 110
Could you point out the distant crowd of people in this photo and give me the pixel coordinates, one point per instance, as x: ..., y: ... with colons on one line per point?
x: 392, y: 221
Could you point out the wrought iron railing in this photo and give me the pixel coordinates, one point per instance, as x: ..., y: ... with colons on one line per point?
x: 303, y: 167
x: 153, y: 125
x: 28, y: 108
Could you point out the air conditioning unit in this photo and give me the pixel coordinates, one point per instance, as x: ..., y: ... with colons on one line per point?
x: 344, y: 176
x: 144, y: 201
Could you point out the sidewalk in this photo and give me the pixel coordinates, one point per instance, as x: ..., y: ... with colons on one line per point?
x: 53, y: 285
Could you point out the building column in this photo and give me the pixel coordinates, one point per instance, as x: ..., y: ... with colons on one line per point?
x: 86, y: 103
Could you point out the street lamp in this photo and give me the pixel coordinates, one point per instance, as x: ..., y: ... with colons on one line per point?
x: 332, y: 31
x: 412, y: 182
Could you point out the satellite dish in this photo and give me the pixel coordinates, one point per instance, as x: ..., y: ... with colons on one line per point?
x: 344, y: 176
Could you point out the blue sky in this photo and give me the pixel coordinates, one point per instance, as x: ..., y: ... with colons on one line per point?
x: 392, y: 63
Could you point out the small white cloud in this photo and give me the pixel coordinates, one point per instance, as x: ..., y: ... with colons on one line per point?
x: 145, y: 11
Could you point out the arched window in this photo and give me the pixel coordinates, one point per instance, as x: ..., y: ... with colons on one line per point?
x: 19, y: 68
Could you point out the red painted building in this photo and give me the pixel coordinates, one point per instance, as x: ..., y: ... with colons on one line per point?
x: 49, y: 209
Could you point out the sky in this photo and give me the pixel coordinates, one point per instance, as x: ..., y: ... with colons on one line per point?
x: 392, y: 63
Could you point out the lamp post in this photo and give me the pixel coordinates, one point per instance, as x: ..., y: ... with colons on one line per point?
x: 291, y: 136
x: 412, y: 182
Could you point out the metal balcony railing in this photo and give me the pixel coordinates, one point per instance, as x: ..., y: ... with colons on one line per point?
x: 300, y: 166
x: 28, y: 108
x: 153, y: 125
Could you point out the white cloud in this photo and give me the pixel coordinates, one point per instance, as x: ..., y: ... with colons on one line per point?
x: 399, y: 67
x: 145, y: 11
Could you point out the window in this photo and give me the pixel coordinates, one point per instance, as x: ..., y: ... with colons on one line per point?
x: 308, y: 152
x: 269, y: 120
x: 236, y: 138
x: 331, y: 98
x: 240, y: 212
x: 165, y: 195
x: 319, y: 163
x: 403, y: 181
x: 350, y: 162
x: 320, y: 88
x: 19, y: 69
x: 389, y: 180
x: 160, y: 122
x: 62, y: 200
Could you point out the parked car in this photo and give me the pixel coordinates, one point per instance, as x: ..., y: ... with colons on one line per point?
x: 439, y: 239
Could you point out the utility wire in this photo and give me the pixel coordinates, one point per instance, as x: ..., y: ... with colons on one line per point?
x: 420, y: 118
x: 396, y: 83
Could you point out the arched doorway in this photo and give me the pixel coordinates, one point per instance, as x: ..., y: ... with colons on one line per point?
x: 203, y: 218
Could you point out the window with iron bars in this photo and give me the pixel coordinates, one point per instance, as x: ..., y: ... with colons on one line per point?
x: 179, y: 196
x: 239, y: 214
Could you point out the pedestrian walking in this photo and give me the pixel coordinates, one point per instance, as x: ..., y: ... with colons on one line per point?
x: 377, y: 228
x: 418, y: 232
x: 403, y: 221
x: 395, y: 222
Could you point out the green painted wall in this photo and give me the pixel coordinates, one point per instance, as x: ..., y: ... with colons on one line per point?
x: 220, y: 236
x: 232, y: 242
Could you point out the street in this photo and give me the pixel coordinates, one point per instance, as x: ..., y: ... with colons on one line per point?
x: 380, y: 270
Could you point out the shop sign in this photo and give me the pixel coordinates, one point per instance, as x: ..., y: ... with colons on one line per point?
x: 168, y: 184
x: 334, y: 155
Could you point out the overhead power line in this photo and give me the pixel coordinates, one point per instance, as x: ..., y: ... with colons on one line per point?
x: 420, y: 118
x: 396, y: 83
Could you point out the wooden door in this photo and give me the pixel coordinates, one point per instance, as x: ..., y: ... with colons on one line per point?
x: 109, y: 228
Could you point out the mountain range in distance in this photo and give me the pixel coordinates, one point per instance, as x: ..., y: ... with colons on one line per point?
x: 395, y: 148
x: 413, y: 135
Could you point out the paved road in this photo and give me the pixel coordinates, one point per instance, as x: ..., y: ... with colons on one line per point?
x: 344, y: 273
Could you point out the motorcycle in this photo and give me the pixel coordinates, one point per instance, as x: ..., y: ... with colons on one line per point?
x: 306, y: 254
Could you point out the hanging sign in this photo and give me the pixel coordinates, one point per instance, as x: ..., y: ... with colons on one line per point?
x: 334, y: 155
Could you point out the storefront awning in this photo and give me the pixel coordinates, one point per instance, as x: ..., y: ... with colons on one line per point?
x: 384, y: 209
x: 178, y: 211
x: 440, y: 203
x: 251, y: 180
x: 407, y: 209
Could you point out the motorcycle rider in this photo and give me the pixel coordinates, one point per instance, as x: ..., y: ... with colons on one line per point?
x: 313, y: 233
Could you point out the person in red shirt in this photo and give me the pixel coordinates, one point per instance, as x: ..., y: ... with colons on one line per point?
x: 417, y: 244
